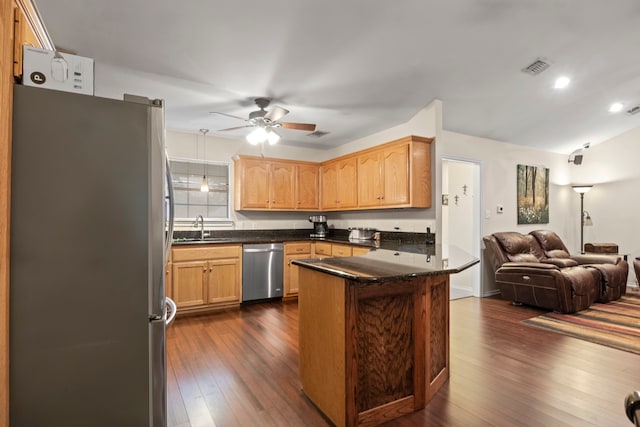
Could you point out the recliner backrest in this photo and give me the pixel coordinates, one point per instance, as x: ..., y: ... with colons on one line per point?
x: 551, y: 244
x: 519, y: 247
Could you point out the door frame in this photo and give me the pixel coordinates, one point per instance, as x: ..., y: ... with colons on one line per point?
x: 478, y: 225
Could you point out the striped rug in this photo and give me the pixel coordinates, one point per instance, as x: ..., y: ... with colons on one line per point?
x: 615, y: 324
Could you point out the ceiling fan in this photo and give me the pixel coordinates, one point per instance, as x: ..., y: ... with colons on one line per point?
x: 266, y: 122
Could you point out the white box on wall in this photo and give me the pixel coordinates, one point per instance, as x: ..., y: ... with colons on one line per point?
x: 56, y: 70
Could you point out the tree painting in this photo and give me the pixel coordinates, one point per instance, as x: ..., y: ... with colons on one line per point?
x: 533, y: 195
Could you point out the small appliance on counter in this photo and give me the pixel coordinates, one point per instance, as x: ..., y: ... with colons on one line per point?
x: 362, y: 233
x: 320, y: 227
x: 57, y: 70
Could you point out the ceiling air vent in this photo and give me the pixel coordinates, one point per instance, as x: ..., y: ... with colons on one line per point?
x: 633, y: 110
x: 536, y: 67
x: 317, y: 134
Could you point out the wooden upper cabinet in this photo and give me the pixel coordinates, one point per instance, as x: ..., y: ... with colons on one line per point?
x: 252, y: 184
x: 392, y: 175
x: 370, y: 189
x: 396, y: 174
x: 347, y: 183
x: 282, y: 183
x: 329, y: 185
x: 308, y: 187
x: 273, y: 184
x: 339, y: 184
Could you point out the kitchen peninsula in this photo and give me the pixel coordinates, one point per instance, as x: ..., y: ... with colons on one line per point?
x: 374, y: 331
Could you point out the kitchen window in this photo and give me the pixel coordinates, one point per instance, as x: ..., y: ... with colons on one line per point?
x: 189, y: 201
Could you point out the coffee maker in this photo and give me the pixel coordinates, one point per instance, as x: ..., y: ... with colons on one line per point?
x: 320, y: 227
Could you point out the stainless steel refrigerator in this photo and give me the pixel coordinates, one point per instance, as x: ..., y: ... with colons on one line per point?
x: 88, y: 250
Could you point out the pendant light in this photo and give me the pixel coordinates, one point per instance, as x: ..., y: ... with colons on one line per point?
x: 204, y: 187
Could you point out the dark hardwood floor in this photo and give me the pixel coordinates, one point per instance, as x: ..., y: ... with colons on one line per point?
x: 240, y: 368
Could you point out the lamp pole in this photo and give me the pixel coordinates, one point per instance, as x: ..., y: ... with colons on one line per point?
x: 581, y: 189
x: 582, y: 223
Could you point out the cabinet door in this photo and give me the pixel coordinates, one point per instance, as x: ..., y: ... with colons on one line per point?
x: 370, y: 190
x: 223, y: 283
x: 282, y: 182
x: 255, y: 184
x: 291, y: 282
x: 347, y: 183
x: 395, y: 170
x: 189, y: 283
x: 329, y: 186
x: 307, y: 194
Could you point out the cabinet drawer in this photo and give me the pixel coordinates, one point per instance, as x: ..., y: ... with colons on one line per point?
x: 323, y: 248
x: 206, y: 252
x: 340, y: 250
x: 297, y: 248
x: 359, y: 250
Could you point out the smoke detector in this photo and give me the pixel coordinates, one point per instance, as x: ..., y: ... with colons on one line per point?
x: 536, y: 67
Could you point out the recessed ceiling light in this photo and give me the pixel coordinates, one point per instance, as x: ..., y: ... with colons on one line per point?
x: 562, y: 82
x: 615, y: 107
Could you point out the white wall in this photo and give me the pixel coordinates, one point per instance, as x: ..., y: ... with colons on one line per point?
x: 613, y: 202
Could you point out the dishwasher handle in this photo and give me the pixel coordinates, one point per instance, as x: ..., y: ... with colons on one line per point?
x: 253, y: 251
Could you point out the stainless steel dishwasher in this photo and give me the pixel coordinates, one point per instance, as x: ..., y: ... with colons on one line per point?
x: 262, y: 271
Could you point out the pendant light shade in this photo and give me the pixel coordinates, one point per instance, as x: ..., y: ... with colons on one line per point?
x: 204, y: 187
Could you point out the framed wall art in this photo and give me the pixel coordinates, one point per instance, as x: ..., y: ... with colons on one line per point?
x: 533, y: 194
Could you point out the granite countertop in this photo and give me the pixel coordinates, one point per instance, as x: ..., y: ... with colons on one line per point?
x: 409, y: 242
x: 380, y: 265
x: 397, y: 255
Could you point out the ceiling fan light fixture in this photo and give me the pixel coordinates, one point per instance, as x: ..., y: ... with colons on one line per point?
x: 272, y: 137
x: 257, y: 136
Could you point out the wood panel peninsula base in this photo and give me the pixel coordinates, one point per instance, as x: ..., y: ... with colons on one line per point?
x: 371, y: 351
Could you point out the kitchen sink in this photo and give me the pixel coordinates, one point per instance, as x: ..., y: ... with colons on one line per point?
x: 198, y: 240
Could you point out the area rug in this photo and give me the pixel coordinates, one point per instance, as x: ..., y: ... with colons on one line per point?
x: 615, y: 324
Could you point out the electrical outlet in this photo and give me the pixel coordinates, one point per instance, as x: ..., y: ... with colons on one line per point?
x: 500, y: 209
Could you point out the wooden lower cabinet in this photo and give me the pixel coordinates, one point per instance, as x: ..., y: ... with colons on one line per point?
x: 296, y: 250
x: 206, y: 278
x: 339, y: 250
x: 322, y: 249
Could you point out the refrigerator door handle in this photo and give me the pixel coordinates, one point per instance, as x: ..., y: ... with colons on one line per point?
x: 171, y: 309
x: 169, y: 199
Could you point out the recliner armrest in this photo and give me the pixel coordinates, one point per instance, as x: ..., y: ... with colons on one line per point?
x: 561, y: 262
x: 597, y: 259
x: 532, y: 265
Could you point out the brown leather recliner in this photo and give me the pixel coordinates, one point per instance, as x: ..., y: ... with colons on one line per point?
x: 545, y: 276
x: 560, y: 285
x: 612, y: 268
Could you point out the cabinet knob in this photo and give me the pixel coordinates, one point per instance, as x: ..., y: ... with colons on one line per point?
x: 382, y: 197
x: 210, y: 269
x: 378, y: 198
x: 204, y: 269
x: 273, y: 201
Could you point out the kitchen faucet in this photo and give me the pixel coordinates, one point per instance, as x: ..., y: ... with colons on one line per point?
x: 195, y: 224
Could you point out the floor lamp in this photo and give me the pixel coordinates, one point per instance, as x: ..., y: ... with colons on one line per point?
x: 581, y: 189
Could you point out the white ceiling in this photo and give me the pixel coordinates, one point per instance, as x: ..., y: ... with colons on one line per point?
x: 356, y: 67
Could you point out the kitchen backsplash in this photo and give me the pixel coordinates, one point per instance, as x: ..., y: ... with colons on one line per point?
x: 402, y: 225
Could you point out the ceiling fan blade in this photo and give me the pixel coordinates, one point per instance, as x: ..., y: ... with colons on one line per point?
x: 298, y: 126
x: 228, y: 115
x: 234, y: 128
x: 276, y: 113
